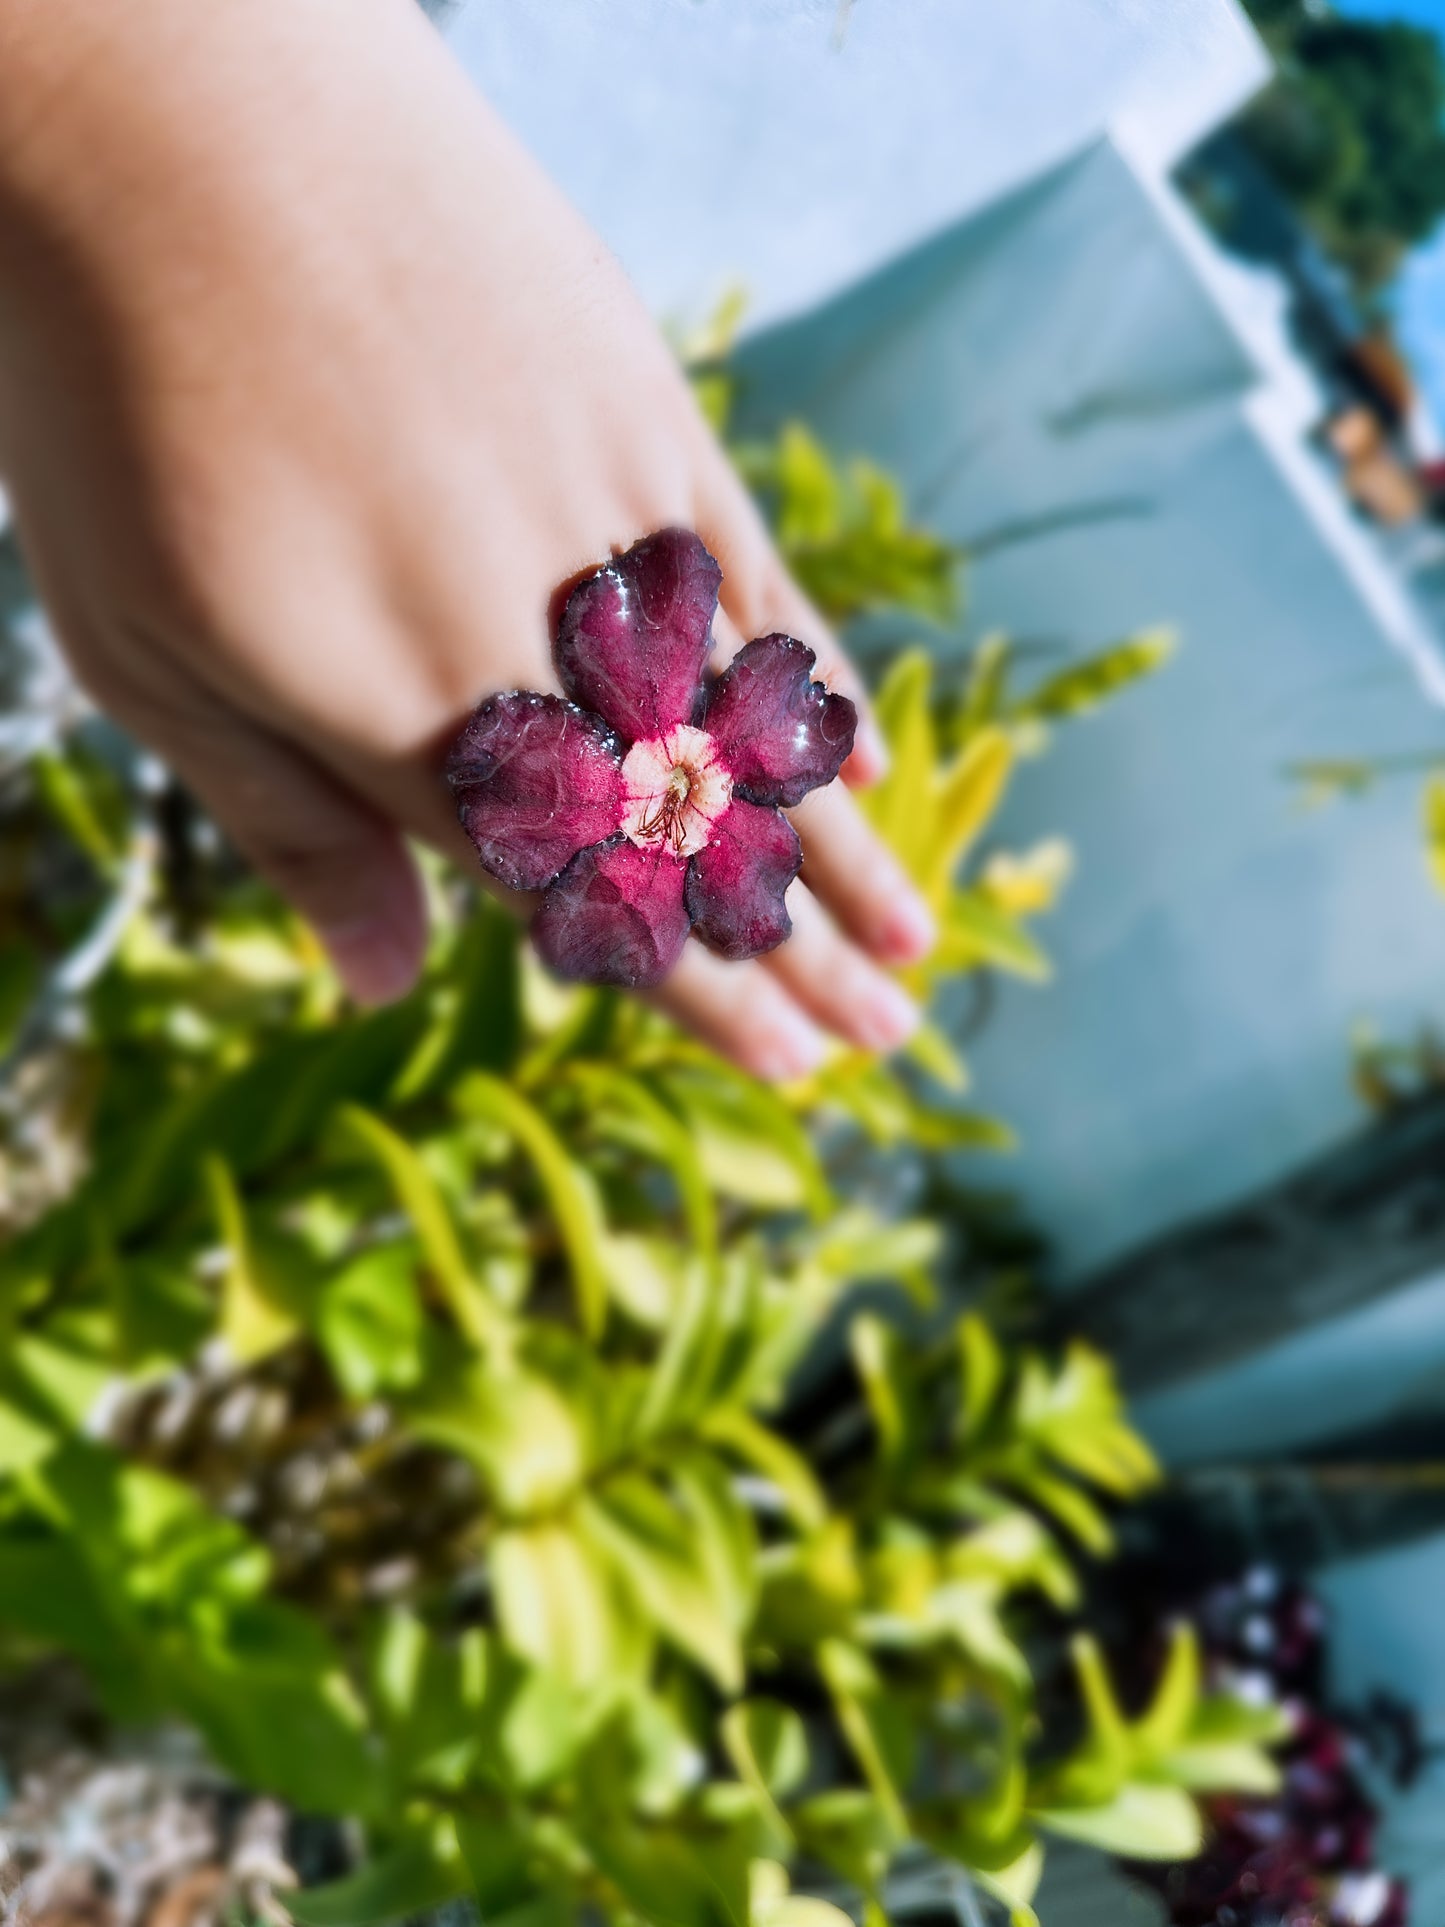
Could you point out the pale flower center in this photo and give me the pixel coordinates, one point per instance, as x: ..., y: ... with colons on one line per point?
x: 674, y: 791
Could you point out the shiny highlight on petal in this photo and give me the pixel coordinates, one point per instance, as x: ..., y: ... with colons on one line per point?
x: 634, y: 637
x: 650, y: 802
x: 778, y: 731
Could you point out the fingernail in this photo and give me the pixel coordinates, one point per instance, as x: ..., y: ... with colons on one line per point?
x: 909, y: 931
x: 886, y: 1016
x: 869, y: 759
x: 372, y: 958
x: 790, y: 1047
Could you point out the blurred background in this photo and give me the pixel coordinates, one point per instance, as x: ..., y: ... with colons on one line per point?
x: 1145, y: 307
x: 1069, y: 345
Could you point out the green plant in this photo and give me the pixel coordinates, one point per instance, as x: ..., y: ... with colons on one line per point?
x: 437, y: 1408
x: 1350, y: 130
x: 842, y: 527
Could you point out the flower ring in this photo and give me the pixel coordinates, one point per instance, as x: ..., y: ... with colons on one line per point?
x: 647, y: 802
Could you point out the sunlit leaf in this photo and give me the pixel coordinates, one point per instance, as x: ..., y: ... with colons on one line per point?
x: 967, y: 794
x: 766, y: 1741
x: 983, y: 1368
x: 1176, y: 1697
x: 418, y: 1195
x: 1026, y: 884
x: 855, y: 1691
x: 1434, y: 812
x: 935, y: 1053
x: 750, y: 1145
x: 370, y: 1322
x: 875, y: 1350
x: 771, y: 1455
x: 654, y: 1549
x: 573, y: 1203
x: 256, y: 1317
x: 527, y: 1438
x: 1141, y: 1822
x: 1085, y: 685
x: 902, y: 805
x: 558, y: 1603
x: 977, y: 931
x: 727, y: 1541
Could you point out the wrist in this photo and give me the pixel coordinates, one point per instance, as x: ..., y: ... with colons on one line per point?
x: 103, y: 108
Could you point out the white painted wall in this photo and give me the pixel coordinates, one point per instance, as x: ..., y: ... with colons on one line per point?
x: 1061, y: 354
x: 792, y: 145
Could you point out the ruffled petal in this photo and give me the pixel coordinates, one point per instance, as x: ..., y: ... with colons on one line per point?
x: 779, y: 733
x: 735, y: 887
x: 536, y: 780
x: 614, y: 916
x: 634, y: 637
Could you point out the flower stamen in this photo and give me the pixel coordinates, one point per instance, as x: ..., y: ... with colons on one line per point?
x: 665, y: 824
x: 675, y: 791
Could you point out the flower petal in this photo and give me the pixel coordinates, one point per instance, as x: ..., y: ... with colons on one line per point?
x: 780, y: 733
x: 634, y: 637
x: 536, y: 780
x: 614, y: 916
x: 735, y: 887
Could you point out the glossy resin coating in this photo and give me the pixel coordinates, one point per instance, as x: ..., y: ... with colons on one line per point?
x: 646, y: 802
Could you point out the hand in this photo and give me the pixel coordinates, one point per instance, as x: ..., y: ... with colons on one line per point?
x: 312, y: 392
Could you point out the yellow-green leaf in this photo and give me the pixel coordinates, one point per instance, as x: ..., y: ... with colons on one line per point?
x: 984, y: 1371
x: 1142, y: 1822
x: 968, y: 792
x: 420, y: 1198
x: 936, y: 1054
x: 255, y: 1319
x: 875, y: 1354
x: 852, y: 1683
x: 654, y: 1552
x: 528, y: 1441
x: 773, y: 1458
x: 558, y: 1604
x: 902, y: 806
x: 1085, y: 685
x: 751, y: 1146
x: 578, y: 1214
x: 656, y: 1131
x: 1176, y: 1697
x: 977, y: 931
x: 1434, y: 807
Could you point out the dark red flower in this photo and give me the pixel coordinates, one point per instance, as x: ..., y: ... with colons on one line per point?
x: 647, y: 801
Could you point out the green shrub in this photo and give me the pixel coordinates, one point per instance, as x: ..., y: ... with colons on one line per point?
x: 464, y: 1414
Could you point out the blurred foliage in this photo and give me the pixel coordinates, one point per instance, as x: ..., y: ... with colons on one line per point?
x: 1353, y: 130
x: 465, y: 1415
x: 844, y: 533
x: 842, y: 527
x: 1332, y: 779
x: 1390, y: 1073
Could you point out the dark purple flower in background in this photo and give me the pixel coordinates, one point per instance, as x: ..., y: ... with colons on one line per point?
x: 650, y: 803
x: 1304, y: 1856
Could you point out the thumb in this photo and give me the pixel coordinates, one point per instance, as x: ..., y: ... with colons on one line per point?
x: 327, y: 851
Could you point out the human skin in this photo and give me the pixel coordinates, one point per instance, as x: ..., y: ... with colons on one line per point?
x: 313, y: 392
